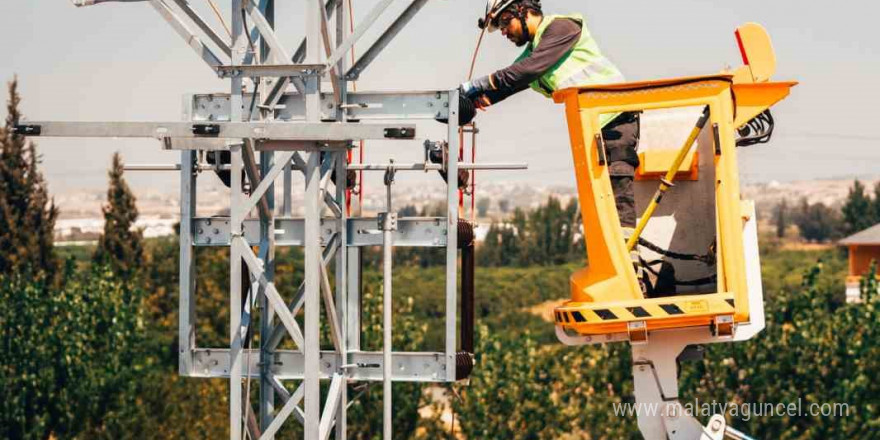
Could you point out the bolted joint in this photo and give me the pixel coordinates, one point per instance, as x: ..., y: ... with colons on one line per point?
x: 388, y: 221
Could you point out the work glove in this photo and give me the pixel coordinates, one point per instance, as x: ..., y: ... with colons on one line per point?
x: 474, y: 88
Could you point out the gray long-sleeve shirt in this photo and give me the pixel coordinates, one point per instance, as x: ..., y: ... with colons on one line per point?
x: 558, y: 40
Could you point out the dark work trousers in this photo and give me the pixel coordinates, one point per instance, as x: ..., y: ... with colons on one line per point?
x: 621, y: 145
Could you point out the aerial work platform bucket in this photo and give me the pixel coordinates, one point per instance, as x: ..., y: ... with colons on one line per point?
x: 702, y: 215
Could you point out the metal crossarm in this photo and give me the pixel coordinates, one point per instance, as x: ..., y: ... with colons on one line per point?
x: 427, y: 367
x: 362, y: 106
x: 270, y: 70
x: 260, y: 131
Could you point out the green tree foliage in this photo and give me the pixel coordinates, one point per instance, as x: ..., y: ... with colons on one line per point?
x: 817, y: 349
x: 817, y: 222
x: 876, y: 203
x: 92, y: 359
x: 27, y: 215
x: 522, y: 390
x: 857, y: 210
x: 72, y: 355
x: 549, y: 234
x: 120, y: 246
x: 869, y: 286
x: 780, y: 218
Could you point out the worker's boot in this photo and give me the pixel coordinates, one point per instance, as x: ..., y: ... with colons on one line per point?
x: 635, y: 257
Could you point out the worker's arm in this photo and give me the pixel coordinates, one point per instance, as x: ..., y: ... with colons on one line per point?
x: 558, y: 40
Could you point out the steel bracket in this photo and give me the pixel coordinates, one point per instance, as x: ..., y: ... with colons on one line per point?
x: 206, y: 129
x: 400, y: 133
x: 27, y: 130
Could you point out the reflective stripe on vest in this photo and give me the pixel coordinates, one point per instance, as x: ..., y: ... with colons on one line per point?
x: 583, y: 65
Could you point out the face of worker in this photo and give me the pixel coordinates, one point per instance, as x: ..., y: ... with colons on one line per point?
x: 511, y: 28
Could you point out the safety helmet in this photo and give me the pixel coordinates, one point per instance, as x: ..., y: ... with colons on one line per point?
x: 494, y: 8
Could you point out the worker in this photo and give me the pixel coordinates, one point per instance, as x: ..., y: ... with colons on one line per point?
x: 560, y: 53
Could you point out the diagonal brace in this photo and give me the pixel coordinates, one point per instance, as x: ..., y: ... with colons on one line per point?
x: 358, y: 32
x: 250, y: 167
x: 333, y: 397
x: 296, y: 304
x: 272, y: 294
x: 204, y: 26
x: 268, y: 180
x: 278, y: 51
x: 291, y: 405
x: 285, y: 396
x: 330, y: 309
x: 183, y: 30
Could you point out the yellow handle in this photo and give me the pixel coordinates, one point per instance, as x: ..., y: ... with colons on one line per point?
x: 666, y: 182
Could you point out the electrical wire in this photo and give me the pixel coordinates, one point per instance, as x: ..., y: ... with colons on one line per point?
x: 476, y: 53
x: 473, y: 138
x: 220, y: 17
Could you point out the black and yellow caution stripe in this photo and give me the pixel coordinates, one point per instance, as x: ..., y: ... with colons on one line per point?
x: 645, y: 310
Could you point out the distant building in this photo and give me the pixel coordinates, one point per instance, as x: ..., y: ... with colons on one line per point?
x: 864, y: 247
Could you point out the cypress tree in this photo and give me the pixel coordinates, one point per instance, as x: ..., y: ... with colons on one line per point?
x: 27, y: 213
x: 876, y: 204
x: 856, y: 210
x: 781, y: 218
x: 120, y: 246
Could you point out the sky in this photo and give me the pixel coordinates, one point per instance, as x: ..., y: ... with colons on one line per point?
x: 122, y: 62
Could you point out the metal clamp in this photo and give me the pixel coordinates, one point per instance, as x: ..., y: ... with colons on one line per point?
x: 400, y: 133
x: 360, y: 365
x: 388, y: 221
x: 206, y: 129
x: 27, y: 130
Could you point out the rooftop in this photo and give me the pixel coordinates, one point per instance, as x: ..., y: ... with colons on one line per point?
x: 868, y: 236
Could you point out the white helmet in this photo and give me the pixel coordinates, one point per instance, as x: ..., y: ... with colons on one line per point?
x: 494, y: 8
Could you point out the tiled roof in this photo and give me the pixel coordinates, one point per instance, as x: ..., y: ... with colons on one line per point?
x: 868, y: 236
